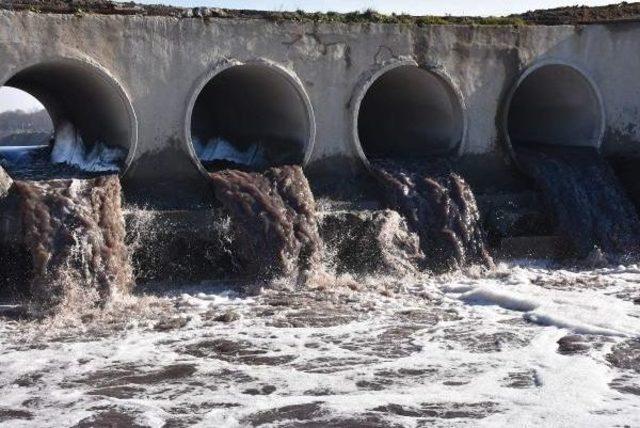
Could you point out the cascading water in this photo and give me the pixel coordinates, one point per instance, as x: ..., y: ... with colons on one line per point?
x: 153, y: 358
x: 69, y: 149
x: 588, y: 202
x: 74, y: 230
x: 439, y: 206
x: 219, y: 150
x: 67, y: 156
x: 274, y: 221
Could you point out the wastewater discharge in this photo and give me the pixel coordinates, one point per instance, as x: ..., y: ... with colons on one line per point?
x: 71, y: 150
x: 302, y: 355
x: 220, y: 150
x: 439, y: 206
x: 274, y: 221
x: 590, y: 206
x: 75, y: 232
x: 65, y: 156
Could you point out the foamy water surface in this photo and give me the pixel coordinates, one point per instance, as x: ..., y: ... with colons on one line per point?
x: 517, y: 346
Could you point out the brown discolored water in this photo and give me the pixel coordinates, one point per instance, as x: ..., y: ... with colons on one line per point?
x: 74, y: 231
x: 274, y: 221
x: 439, y: 206
x: 481, y: 347
x: 589, y: 204
x: 457, y: 350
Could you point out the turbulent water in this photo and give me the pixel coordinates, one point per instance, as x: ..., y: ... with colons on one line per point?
x: 390, y: 346
x: 274, y: 221
x: 74, y: 230
x: 365, y: 241
x: 66, y: 157
x: 69, y: 149
x: 515, y: 346
x: 589, y: 204
x: 219, y: 149
x: 440, y: 206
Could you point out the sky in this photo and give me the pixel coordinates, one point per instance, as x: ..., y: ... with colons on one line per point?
x: 14, y: 99
x: 11, y: 99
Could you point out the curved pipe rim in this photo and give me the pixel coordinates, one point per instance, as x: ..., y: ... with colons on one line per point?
x: 504, y: 120
x: 439, y: 72
x: 218, y: 68
x: 105, y: 75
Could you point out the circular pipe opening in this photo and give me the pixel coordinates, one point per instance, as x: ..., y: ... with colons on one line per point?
x: 409, y: 112
x: 554, y: 105
x: 251, y: 116
x: 95, y: 129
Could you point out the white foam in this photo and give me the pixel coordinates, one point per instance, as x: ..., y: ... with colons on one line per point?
x: 513, y: 301
x: 221, y: 149
x: 444, y: 368
x: 577, y: 309
x: 574, y: 326
x: 69, y: 149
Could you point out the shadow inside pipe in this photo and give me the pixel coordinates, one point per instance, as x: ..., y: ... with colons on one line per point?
x: 88, y: 128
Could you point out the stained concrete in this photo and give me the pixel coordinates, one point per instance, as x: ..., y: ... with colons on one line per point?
x: 158, y: 64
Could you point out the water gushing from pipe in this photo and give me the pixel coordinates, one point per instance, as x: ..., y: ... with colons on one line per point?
x: 74, y: 230
x: 440, y: 206
x: 274, y: 220
x: 588, y: 202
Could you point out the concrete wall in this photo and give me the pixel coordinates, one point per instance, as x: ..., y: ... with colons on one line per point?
x: 158, y: 63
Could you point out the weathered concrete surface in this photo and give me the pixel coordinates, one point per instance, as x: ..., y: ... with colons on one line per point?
x: 158, y: 61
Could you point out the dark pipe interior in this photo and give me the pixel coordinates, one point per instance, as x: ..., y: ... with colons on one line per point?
x: 555, y: 106
x: 250, y: 105
x: 76, y: 93
x: 409, y: 112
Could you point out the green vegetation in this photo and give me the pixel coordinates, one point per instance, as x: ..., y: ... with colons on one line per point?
x: 372, y: 16
x: 561, y: 16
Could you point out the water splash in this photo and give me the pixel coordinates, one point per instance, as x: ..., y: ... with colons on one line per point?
x: 369, y: 242
x: 70, y: 149
x: 588, y: 202
x: 5, y: 183
x: 74, y: 230
x: 440, y: 206
x: 274, y: 221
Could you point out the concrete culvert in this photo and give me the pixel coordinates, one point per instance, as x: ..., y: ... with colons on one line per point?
x: 252, y: 116
x: 555, y: 105
x: 94, y: 124
x: 410, y: 112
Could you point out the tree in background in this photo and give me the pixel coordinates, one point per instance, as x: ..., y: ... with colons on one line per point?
x: 19, y: 121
